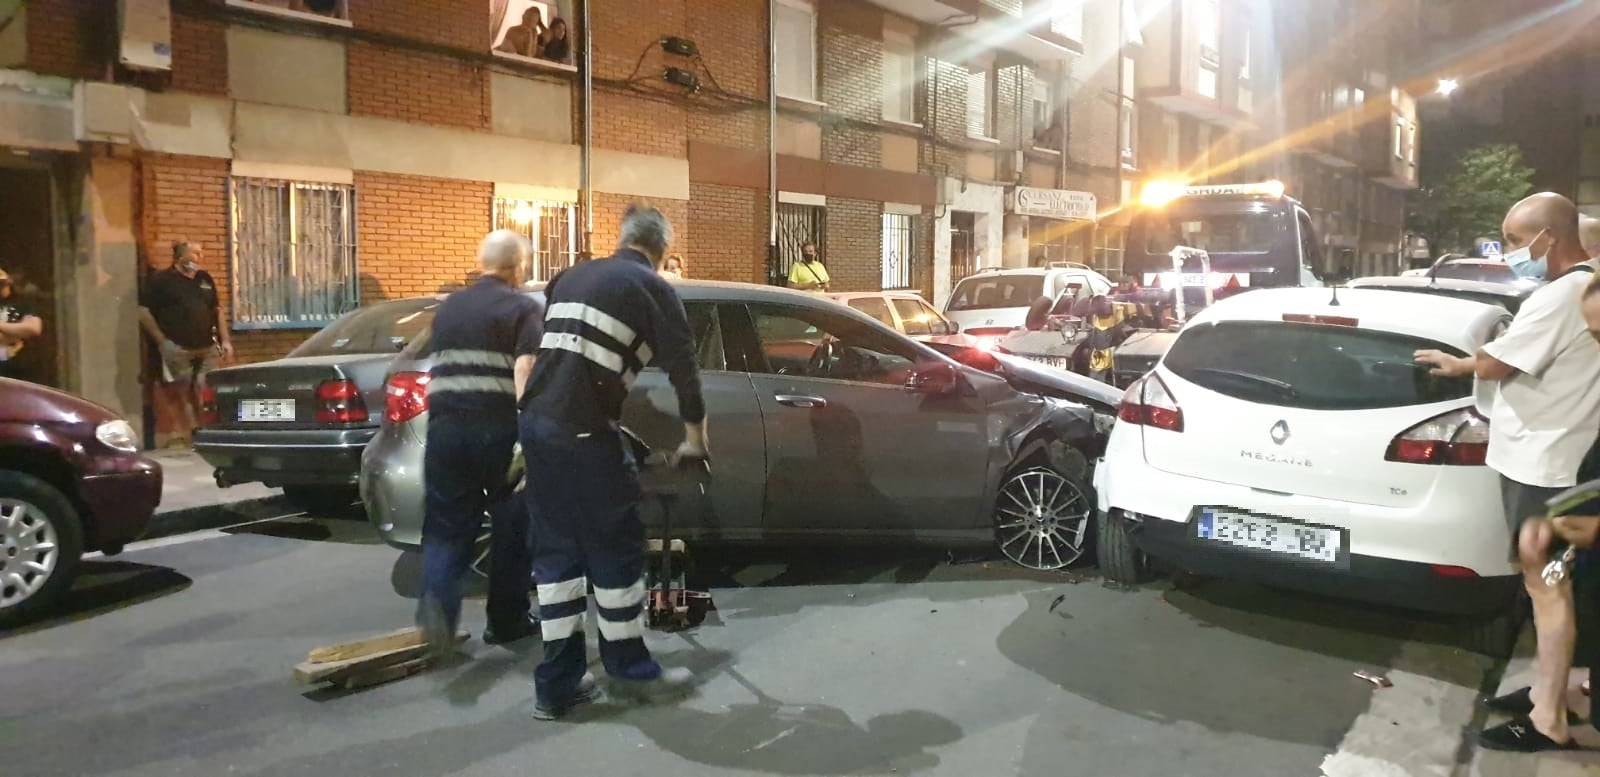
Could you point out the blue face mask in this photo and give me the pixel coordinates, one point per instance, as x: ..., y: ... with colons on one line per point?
x: 1523, y: 264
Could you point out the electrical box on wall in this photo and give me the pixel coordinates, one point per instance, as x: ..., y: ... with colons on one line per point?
x: 144, y: 34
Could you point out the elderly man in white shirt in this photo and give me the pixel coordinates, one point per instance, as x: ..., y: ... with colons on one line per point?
x: 1545, y: 416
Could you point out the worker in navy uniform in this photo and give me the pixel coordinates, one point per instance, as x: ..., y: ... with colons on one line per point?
x: 472, y: 430
x: 18, y: 324
x: 607, y: 321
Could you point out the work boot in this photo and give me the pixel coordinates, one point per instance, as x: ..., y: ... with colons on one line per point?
x: 515, y: 632
x: 586, y: 692
x: 671, y: 684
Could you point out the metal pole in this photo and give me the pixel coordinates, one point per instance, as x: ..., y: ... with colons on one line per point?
x: 772, y: 142
x: 588, y: 136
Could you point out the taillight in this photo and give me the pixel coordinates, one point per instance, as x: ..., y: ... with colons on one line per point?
x: 406, y: 396
x: 987, y: 331
x: 208, y: 407
x: 340, y: 402
x: 1446, y: 570
x: 1459, y: 437
x: 1148, y: 402
x: 1297, y: 318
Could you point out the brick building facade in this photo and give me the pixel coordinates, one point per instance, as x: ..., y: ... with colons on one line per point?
x: 332, y: 153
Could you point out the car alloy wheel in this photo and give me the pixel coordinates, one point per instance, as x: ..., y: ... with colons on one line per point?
x: 30, y: 550
x: 1042, y: 519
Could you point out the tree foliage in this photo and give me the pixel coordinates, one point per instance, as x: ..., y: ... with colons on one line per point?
x: 1470, y: 199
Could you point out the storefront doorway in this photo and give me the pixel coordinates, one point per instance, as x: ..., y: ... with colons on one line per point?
x: 28, y: 255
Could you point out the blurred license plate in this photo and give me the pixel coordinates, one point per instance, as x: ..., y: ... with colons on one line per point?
x: 1058, y: 362
x: 266, y: 410
x: 1258, y: 533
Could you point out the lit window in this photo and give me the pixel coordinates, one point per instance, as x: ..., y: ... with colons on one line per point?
x: 293, y: 259
x: 796, y: 22
x: 551, y: 228
x: 539, y: 30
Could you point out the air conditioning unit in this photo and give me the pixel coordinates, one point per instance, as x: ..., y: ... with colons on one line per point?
x: 144, y: 34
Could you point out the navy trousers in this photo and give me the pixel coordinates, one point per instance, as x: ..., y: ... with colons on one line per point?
x: 583, y: 493
x: 464, y: 475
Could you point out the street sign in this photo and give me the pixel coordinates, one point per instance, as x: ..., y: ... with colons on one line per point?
x: 1491, y: 248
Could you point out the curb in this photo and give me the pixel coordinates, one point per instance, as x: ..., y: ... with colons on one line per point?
x: 216, y: 516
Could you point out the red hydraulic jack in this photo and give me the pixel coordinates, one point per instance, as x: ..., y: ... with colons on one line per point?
x: 669, y: 604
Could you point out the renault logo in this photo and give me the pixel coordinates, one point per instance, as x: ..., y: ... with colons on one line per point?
x: 1280, y: 432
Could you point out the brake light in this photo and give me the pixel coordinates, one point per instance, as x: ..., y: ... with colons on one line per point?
x: 1445, y: 570
x: 1300, y: 318
x: 208, y: 407
x: 1148, y: 402
x: 987, y: 331
x: 340, y: 402
x: 1458, y: 438
x: 406, y: 396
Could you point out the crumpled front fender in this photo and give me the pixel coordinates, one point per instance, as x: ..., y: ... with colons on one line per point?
x: 1064, y: 432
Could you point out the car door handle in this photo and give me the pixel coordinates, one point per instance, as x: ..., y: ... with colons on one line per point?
x: 800, y: 400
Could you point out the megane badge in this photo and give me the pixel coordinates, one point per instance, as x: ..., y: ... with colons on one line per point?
x: 1280, y: 432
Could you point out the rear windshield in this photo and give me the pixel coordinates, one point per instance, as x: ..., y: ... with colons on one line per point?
x: 383, y: 328
x: 999, y: 291
x: 1508, y: 302
x: 1311, y: 366
x: 1492, y: 272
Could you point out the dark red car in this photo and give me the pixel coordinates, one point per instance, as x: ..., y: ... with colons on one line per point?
x: 71, y: 481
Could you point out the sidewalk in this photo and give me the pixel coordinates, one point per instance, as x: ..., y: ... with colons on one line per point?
x: 191, y: 500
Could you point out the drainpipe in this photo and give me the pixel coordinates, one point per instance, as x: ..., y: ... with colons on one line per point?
x: 772, y: 142
x: 587, y: 151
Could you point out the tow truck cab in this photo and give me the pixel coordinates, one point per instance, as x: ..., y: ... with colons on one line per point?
x: 1255, y: 236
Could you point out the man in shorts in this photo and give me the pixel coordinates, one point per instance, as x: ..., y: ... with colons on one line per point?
x: 1546, y: 369
x: 180, y: 313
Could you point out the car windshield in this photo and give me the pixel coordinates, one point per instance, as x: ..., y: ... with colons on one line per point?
x: 383, y: 328
x: 997, y: 291
x: 1312, y: 366
x: 1218, y: 233
x: 1492, y: 272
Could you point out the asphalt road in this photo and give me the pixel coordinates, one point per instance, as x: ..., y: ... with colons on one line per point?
x: 174, y: 659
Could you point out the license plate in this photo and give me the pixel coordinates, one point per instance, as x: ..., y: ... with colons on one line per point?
x: 1256, y: 532
x: 1194, y: 279
x: 1058, y: 362
x: 255, y: 410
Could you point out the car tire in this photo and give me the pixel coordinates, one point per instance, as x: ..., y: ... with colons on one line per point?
x: 33, y: 510
x: 331, y: 500
x: 1496, y: 635
x: 1120, y: 559
x: 1044, y: 542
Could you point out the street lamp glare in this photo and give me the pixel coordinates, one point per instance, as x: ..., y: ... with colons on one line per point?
x: 1447, y: 86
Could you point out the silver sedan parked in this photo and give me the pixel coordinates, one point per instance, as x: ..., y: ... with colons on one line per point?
x: 826, y: 424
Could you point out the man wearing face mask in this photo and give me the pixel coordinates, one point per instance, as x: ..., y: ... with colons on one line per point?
x: 1544, y: 417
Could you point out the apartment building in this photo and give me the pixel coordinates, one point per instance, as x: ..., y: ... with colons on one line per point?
x: 1305, y: 91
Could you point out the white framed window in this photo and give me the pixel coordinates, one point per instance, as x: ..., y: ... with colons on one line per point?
x: 1208, y: 30
x: 326, y: 11
x: 535, y: 31
x: 796, y: 23
x: 1399, y: 137
x: 1045, y: 111
x: 292, y: 253
x: 898, y: 230
x: 1067, y: 19
x: 1411, y: 142
x: 1244, y: 50
x: 899, y: 77
x: 551, y: 227
x: 980, y: 101
x: 1128, y: 115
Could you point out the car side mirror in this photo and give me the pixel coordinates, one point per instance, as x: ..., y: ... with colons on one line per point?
x: 955, y: 327
x: 933, y: 379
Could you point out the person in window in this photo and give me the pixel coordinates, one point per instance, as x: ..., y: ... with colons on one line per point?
x: 557, y: 46
x: 527, y: 38
x: 180, y: 313
x: 809, y: 274
x: 18, y: 324
x: 674, y: 267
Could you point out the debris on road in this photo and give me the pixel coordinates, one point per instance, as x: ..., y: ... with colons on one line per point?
x: 1374, y: 678
x: 368, y: 662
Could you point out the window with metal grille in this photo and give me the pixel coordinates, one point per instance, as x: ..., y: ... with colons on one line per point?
x: 897, y: 250
x: 963, y: 244
x: 293, y: 253
x: 552, y: 228
x: 798, y: 225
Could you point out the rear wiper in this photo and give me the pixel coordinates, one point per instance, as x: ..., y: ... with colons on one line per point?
x: 1279, y: 386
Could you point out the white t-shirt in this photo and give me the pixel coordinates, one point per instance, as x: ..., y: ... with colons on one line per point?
x: 1546, y: 415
